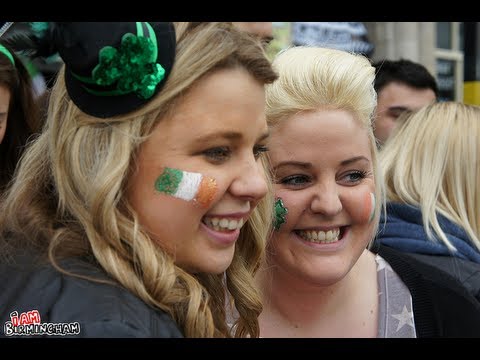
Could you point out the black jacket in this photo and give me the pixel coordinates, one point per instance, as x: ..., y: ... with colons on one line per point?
x: 442, y: 306
x: 466, y: 272
x: 89, y: 309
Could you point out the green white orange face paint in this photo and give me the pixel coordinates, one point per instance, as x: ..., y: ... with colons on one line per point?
x: 369, y: 206
x: 188, y: 186
x: 280, y: 214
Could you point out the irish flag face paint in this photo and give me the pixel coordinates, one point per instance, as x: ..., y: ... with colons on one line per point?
x: 370, y: 206
x: 188, y: 186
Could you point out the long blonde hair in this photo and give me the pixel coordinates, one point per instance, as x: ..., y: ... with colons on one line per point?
x: 432, y: 161
x: 313, y: 78
x: 68, y: 195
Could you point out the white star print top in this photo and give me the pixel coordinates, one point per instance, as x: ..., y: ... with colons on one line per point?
x: 395, y: 314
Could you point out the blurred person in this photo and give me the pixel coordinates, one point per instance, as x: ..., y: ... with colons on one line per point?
x: 342, y: 35
x: 24, y: 38
x: 141, y: 207
x: 18, y: 112
x: 401, y: 85
x: 263, y: 30
x: 432, y: 176
x: 322, y: 277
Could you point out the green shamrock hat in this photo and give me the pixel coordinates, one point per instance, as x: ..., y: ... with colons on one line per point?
x: 112, y: 68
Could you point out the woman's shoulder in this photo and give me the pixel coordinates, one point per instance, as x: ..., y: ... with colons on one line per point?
x: 89, y: 308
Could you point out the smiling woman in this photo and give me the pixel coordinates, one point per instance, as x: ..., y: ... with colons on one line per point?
x: 323, y: 156
x: 144, y: 198
x: 175, y: 143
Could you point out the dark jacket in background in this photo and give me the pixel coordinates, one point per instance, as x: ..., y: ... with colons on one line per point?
x: 101, y: 310
x: 442, y: 307
x: 466, y: 272
x: 403, y: 230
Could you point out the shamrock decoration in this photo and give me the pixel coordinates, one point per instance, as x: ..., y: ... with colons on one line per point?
x: 280, y: 214
x: 132, y: 66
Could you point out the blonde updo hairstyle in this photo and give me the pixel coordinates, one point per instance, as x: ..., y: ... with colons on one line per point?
x: 314, y: 78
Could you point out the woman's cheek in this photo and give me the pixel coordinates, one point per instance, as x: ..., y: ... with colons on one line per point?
x: 367, y: 207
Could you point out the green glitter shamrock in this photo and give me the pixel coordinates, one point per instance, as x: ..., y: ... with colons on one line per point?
x: 132, y: 66
x: 280, y: 214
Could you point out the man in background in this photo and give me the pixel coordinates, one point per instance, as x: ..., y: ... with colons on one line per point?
x: 263, y: 30
x: 401, y: 85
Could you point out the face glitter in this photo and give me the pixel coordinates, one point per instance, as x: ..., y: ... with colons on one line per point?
x: 188, y: 186
x: 280, y: 214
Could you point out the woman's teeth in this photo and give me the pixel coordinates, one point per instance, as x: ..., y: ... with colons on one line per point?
x: 322, y: 237
x: 223, y: 224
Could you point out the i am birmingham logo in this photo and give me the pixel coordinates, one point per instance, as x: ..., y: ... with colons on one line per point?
x: 29, y: 323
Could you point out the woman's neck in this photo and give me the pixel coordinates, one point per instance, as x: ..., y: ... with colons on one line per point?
x: 295, y: 308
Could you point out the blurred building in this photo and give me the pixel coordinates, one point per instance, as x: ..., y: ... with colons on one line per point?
x: 439, y: 46
x: 450, y: 50
x: 350, y: 36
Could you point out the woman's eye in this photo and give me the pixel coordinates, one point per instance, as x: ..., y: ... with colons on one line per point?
x: 259, y: 150
x: 355, y: 177
x: 295, y: 180
x: 217, y: 154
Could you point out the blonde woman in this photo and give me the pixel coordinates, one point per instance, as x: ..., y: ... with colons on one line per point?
x: 432, y: 177
x: 143, y: 201
x: 322, y: 277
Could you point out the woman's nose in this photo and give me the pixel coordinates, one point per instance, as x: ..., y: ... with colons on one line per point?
x: 251, y: 181
x: 326, y: 200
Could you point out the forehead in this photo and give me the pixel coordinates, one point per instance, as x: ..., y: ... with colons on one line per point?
x: 324, y: 123
x: 224, y: 88
x: 321, y: 133
x: 217, y: 99
x: 224, y: 101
